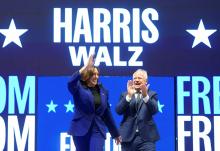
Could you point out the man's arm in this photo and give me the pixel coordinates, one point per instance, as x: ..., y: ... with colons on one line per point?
x: 149, y: 98
x: 125, y: 99
x: 123, y: 105
x: 152, y: 103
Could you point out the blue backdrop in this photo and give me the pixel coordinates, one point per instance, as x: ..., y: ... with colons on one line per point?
x: 51, y: 123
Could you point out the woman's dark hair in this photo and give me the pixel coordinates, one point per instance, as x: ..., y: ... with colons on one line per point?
x: 86, y: 75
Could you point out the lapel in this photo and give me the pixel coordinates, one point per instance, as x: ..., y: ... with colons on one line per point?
x: 142, y: 101
x: 102, y: 97
x: 140, y: 104
x: 133, y: 103
x: 91, y: 98
x: 102, y: 106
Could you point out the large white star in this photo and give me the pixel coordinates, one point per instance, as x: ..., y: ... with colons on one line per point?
x: 51, y: 106
x: 201, y: 35
x: 69, y: 106
x: 12, y: 34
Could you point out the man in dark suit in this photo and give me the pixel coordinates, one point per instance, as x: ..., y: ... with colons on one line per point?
x: 138, y: 105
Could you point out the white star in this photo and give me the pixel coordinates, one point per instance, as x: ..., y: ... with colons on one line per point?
x: 69, y: 106
x: 51, y: 107
x: 12, y: 34
x: 201, y: 35
x: 160, y: 106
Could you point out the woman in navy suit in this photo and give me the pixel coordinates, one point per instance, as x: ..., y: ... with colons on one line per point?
x: 92, y: 111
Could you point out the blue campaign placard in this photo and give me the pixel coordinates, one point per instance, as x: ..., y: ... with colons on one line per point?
x: 55, y: 109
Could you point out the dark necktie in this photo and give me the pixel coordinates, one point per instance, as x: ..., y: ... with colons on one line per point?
x: 138, y: 100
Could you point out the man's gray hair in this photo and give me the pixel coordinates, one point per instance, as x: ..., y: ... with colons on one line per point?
x: 143, y: 71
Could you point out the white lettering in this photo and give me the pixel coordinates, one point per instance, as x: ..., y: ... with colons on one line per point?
x: 21, y: 138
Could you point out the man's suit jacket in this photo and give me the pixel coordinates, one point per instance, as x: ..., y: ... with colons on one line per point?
x: 85, y: 112
x: 141, y: 118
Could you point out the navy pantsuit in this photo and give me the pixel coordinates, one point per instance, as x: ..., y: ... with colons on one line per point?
x: 88, y: 126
